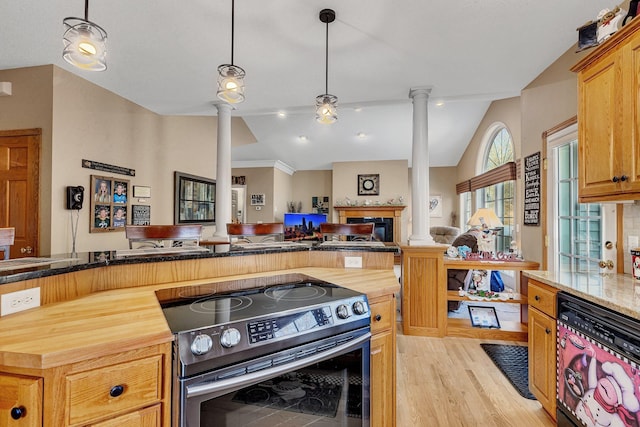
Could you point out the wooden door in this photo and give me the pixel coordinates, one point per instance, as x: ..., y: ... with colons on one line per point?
x: 19, y: 183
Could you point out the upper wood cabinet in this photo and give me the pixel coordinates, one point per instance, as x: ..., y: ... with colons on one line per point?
x: 608, y: 119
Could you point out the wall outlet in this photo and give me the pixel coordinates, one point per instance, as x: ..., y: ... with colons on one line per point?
x: 353, y: 262
x: 633, y: 242
x: 19, y: 301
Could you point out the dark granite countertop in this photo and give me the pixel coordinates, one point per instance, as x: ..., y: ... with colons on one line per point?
x: 19, y: 269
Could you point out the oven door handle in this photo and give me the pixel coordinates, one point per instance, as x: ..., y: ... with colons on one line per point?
x: 248, y: 379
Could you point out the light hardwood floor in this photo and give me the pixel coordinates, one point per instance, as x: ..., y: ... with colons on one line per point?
x: 452, y: 382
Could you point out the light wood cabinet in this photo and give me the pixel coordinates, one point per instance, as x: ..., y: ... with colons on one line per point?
x: 98, y: 393
x: 542, y: 345
x: 131, y: 388
x: 20, y: 401
x: 383, y: 362
x: 608, y: 119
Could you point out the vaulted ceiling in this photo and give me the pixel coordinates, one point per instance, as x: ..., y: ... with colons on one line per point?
x: 164, y: 54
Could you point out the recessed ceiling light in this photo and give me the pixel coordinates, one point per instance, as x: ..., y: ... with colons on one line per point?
x: 361, y: 135
x: 357, y: 109
x: 303, y: 138
x: 439, y: 103
x: 282, y: 114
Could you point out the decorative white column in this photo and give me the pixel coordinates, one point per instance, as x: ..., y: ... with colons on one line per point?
x: 420, y: 169
x: 223, y: 172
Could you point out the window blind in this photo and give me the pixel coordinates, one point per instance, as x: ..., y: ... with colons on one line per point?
x: 500, y: 174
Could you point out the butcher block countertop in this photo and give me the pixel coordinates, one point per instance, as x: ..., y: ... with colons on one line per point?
x: 114, y: 321
x: 618, y: 292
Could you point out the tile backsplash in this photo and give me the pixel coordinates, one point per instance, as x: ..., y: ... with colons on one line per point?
x: 631, y: 227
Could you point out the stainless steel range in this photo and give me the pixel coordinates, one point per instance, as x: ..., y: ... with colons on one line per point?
x: 284, y: 350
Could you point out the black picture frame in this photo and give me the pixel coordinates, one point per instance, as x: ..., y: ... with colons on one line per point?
x: 194, y: 201
x: 483, y: 317
x: 369, y: 185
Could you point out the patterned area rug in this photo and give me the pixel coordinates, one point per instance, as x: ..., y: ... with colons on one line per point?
x: 513, y: 361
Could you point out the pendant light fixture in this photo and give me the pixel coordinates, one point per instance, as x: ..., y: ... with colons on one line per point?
x: 326, y: 104
x: 85, y: 43
x: 230, y: 78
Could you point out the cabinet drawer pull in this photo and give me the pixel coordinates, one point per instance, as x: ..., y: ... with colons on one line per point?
x: 623, y: 178
x: 116, y: 391
x: 378, y: 317
x: 548, y: 331
x: 19, y: 412
x: 615, y: 179
x: 537, y: 297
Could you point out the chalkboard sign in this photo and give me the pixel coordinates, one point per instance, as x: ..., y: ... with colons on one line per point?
x: 532, y: 189
x: 141, y: 215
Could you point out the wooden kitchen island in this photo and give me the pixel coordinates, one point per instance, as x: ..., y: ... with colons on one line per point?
x: 101, y: 330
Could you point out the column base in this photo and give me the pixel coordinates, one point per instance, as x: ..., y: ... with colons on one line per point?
x: 421, y: 241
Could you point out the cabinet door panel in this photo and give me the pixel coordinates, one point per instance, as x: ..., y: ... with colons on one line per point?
x: 382, y: 380
x: 632, y: 114
x: 599, y: 137
x: 24, y: 393
x: 147, y: 417
x: 542, y: 359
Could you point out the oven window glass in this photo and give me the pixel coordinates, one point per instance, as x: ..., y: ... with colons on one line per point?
x: 329, y: 393
x: 596, y: 386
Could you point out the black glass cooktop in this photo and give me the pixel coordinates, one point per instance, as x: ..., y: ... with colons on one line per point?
x: 195, y: 307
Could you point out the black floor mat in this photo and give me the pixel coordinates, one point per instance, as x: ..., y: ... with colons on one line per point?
x: 513, y: 361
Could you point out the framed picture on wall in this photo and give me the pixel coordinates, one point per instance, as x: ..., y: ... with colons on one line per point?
x: 195, y: 199
x: 369, y: 185
x: 258, y: 200
x: 109, y: 204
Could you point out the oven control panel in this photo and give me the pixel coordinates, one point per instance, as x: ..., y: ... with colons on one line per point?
x: 254, y: 336
x: 292, y: 324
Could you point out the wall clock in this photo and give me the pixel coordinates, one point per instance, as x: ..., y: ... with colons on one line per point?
x: 369, y: 185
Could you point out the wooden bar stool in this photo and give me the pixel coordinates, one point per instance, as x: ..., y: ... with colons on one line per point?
x: 261, y: 232
x: 352, y: 232
x: 156, y: 235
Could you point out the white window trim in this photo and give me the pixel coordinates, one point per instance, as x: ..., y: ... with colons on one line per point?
x: 555, y: 140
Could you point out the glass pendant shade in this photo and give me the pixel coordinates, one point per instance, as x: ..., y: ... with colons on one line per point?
x: 85, y: 44
x: 326, y: 109
x: 231, y: 83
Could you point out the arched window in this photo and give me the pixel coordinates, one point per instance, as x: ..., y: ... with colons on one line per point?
x: 500, y: 196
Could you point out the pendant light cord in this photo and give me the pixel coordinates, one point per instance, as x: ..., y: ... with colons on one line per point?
x: 233, y: 7
x: 326, y: 60
x: 86, y: 10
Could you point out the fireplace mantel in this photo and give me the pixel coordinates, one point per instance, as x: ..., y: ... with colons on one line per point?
x: 381, y: 211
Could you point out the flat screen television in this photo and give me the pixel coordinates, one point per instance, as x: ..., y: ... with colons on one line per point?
x: 303, y: 226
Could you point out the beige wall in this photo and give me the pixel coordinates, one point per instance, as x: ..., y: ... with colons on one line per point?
x: 283, y: 191
x: 258, y: 181
x: 548, y: 100
x: 307, y: 184
x: 30, y: 106
x: 81, y: 120
x: 442, y: 182
x: 393, y: 184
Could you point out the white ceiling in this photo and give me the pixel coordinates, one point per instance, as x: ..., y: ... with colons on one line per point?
x: 163, y: 55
